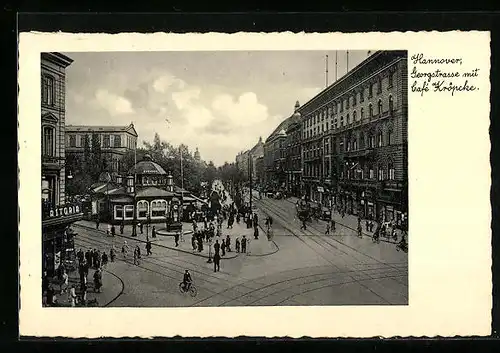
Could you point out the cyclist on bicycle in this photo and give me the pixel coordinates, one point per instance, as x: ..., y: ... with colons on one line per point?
x: 186, y: 282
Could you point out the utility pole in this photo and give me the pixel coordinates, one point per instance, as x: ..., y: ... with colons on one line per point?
x: 134, y: 225
x: 250, y: 176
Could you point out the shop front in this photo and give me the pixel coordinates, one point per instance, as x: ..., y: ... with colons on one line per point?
x: 57, y: 236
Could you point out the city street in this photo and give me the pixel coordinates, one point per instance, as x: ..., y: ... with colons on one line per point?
x: 305, y: 268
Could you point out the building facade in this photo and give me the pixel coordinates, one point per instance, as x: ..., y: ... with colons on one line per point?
x: 115, y: 142
x: 275, y: 157
x: 354, y: 133
x: 255, y: 153
x: 242, y: 162
x: 293, y: 154
x: 57, y: 213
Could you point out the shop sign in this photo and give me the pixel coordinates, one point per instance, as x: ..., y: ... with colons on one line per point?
x: 62, y: 211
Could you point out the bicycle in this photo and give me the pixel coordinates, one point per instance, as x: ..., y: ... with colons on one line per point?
x: 192, y: 289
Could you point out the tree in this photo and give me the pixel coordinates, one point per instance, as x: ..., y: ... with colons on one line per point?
x: 210, y: 173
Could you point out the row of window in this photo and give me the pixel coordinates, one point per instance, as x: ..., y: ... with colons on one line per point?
x: 311, y: 130
x: 356, y: 172
x: 158, y: 209
x: 351, y: 98
x: 350, y: 143
x: 103, y: 140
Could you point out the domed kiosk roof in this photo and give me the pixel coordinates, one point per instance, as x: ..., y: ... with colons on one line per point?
x: 147, y: 166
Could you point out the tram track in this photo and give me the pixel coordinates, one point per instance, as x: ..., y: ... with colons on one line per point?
x: 282, y: 213
x: 298, y: 278
x: 200, y: 276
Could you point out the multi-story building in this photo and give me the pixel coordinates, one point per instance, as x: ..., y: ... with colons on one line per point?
x: 293, y: 154
x: 242, y: 162
x: 355, y: 139
x: 57, y: 212
x: 274, y: 157
x: 255, y: 153
x: 115, y: 142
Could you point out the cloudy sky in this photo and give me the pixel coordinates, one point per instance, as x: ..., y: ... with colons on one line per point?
x: 220, y: 102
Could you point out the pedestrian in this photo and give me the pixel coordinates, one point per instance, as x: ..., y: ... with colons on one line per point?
x: 394, y: 234
x: 200, y: 244
x: 97, y: 223
x: 72, y: 296
x: 88, y: 257
x: 256, y: 232
x: 332, y: 225
x: 228, y: 243
x: 367, y: 225
x: 83, y: 293
x: 255, y: 220
x: 244, y: 244
x: 216, y: 262
x: 141, y: 227
x: 122, y: 226
x: 216, y: 247
x: 238, y: 217
x: 153, y: 232
x: 205, y: 221
x: 64, y: 282
x: 86, y: 267
x: 195, y: 226
x: 360, y: 234
x: 138, y: 251
x: 176, y: 238
x: 98, y: 259
x: 104, y: 259
x: 223, y: 247
x: 193, y: 241
x: 304, y: 226
x: 108, y: 229
x: 148, y: 247
x: 328, y: 225
x: 81, y: 256
x: 112, y: 254
x: 237, y: 245
x: 97, y: 280
x: 113, y: 230
x: 136, y: 257
x: 125, y: 249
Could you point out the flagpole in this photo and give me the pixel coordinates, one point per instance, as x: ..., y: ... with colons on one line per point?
x: 335, y: 66
x: 326, y: 64
x: 347, y: 62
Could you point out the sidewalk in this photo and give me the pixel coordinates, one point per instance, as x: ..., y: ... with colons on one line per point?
x: 111, y: 289
x: 351, y: 222
x: 260, y: 247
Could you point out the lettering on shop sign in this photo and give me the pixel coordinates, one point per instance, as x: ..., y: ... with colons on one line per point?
x: 64, y: 211
x: 441, y: 75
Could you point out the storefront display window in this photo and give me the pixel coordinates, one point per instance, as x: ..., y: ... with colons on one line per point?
x: 129, y: 212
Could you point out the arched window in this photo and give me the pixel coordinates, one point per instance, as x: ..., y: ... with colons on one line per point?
x: 391, y: 104
x: 354, y: 116
x: 362, y: 115
x: 380, y: 173
x: 370, y: 110
x: 379, y: 139
x: 379, y: 86
x: 380, y: 106
x: 354, y: 143
x: 370, y: 172
x: 371, y: 141
x: 362, y: 141
x: 362, y: 95
x: 158, y: 208
x: 370, y: 90
x: 390, y: 170
x: 49, y: 146
x: 142, y: 209
x: 390, y: 137
x: 348, y: 118
x: 354, y: 99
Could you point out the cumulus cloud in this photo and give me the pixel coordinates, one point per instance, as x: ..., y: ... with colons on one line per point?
x: 112, y: 102
x: 166, y: 81
x: 183, y: 99
x: 241, y: 112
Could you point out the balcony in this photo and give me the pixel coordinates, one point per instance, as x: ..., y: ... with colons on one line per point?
x: 364, y: 153
x: 52, y: 163
x: 392, y: 185
x: 361, y: 183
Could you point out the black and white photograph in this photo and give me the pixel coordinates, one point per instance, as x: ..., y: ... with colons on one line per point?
x: 224, y: 178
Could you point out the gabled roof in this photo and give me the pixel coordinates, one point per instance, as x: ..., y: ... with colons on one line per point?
x: 105, y: 128
x: 282, y: 126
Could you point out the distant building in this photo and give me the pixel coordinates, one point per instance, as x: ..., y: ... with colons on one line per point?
x: 197, y: 156
x: 242, y: 162
x: 115, y: 142
x: 255, y: 153
x: 293, y: 154
x: 57, y: 213
x: 275, y: 157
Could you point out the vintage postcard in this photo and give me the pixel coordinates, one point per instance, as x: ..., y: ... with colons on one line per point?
x: 281, y: 184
